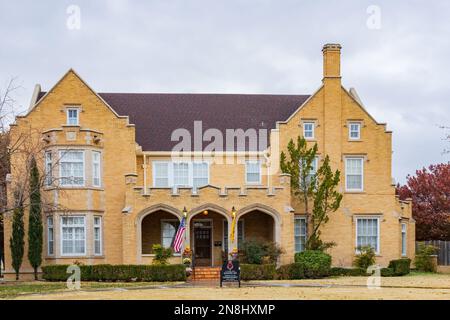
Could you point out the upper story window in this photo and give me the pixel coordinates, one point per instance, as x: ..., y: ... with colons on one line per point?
x: 180, y: 174
x: 354, y: 130
x: 312, y: 172
x: 368, y: 233
x: 96, y: 168
x: 73, y: 116
x: 354, y: 174
x: 48, y: 168
x: 73, y: 239
x: 252, y: 172
x: 72, y: 168
x: 308, y: 130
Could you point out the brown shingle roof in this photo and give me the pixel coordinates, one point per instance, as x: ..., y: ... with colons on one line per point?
x: 156, y: 116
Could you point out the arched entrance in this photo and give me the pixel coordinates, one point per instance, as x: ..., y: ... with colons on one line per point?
x: 156, y: 225
x: 207, y: 235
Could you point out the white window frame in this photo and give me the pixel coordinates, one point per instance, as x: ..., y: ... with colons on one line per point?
x: 72, y: 185
x: 99, y: 163
x: 404, y: 233
x: 300, y: 235
x: 170, y: 173
x: 98, y: 226
x: 48, y: 168
x: 362, y: 174
x: 313, y: 129
x: 62, y: 237
x: 207, y: 171
x: 68, y: 110
x: 350, y: 130
x: 50, y: 243
x: 378, y: 249
x: 247, y: 162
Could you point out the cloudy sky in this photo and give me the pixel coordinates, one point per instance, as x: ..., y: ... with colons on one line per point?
x: 395, y: 53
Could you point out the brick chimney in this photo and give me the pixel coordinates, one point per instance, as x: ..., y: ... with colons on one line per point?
x: 331, y: 60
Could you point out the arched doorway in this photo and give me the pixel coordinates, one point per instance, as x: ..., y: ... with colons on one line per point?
x: 207, y: 235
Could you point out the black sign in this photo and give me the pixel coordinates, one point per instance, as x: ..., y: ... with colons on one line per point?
x: 231, y: 272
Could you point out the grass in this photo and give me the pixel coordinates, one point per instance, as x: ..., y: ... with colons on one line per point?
x: 10, y: 290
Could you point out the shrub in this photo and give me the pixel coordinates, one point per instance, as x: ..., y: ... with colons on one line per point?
x: 107, y: 272
x: 290, y: 272
x: 315, y: 263
x: 161, y: 254
x: 387, y: 272
x: 424, y: 260
x: 400, y: 267
x: 365, y: 258
x: 348, y: 272
x: 257, y: 252
x: 258, y: 271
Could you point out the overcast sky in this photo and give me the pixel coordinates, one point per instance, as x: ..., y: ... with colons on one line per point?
x: 398, y: 60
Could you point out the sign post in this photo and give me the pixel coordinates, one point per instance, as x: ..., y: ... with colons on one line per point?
x: 231, y: 272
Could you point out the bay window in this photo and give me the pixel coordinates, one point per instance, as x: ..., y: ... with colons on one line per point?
x: 48, y: 168
x: 96, y: 168
x: 72, y: 168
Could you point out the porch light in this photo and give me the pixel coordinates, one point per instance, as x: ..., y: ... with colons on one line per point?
x: 233, y: 211
x: 205, y: 213
x: 185, y: 212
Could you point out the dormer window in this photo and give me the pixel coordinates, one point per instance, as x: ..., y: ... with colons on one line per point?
x: 73, y: 116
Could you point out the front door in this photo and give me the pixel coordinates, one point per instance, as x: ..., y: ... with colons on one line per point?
x: 202, y: 246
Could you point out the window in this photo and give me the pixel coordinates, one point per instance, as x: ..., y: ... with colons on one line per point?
x: 252, y: 172
x: 404, y: 242
x: 73, y: 240
x: 180, y: 174
x: 48, y: 168
x: 168, y: 230
x: 50, y: 236
x: 72, y: 168
x: 161, y: 174
x: 311, y: 173
x: 367, y: 233
x: 97, y: 236
x: 354, y: 174
x: 240, y: 234
x: 72, y: 116
x: 96, y: 165
x: 308, y: 130
x: 200, y: 174
x: 300, y: 233
x: 354, y: 131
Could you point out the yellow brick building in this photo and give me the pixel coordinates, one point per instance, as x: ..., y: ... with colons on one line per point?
x: 114, y: 185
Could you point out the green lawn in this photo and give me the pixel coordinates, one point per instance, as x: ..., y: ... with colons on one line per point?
x: 13, y: 289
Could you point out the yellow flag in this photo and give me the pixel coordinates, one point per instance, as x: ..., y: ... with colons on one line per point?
x: 233, y: 225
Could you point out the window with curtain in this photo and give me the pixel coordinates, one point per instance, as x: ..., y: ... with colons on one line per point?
x: 354, y: 174
x: 96, y: 168
x: 367, y: 230
x: 181, y: 174
x: 72, y: 168
x: 73, y: 231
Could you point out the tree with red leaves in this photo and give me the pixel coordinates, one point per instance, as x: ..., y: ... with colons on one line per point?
x: 430, y: 193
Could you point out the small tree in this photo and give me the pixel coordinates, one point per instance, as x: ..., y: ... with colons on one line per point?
x: 318, y: 187
x: 35, y: 220
x: 16, y: 241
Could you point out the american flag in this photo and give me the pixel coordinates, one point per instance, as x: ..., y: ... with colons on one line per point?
x: 178, y: 241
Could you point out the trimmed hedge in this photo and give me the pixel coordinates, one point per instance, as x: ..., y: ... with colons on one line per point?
x: 291, y: 272
x: 348, y: 272
x: 108, y: 272
x: 315, y: 263
x: 387, y: 272
x: 258, y: 271
x: 400, y: 267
